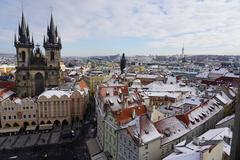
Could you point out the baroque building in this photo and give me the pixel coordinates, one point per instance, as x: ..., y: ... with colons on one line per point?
x: 36, y: 71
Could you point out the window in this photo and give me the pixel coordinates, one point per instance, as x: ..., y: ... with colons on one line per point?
x: 135, y: 147
x: 28, y: 75
x: 4, y: 117
x: 124, y: 139
x: 52, y: 56
x: 29, y: 116
x: 14, y: 117
x: 34, y: 116
x: 24, y: 116
x: 9, y: 117
x: 146, y: 146
x: 23, y: 56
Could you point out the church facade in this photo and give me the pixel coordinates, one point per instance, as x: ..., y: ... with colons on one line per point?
x: 35, y: 71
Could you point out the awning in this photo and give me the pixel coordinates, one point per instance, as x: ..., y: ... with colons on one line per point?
x: 10, y: 129
x: 31, y: 128
x: 45, y: 126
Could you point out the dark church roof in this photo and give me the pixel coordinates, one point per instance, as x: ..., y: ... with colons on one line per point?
x: 23, y: 38
x: 52, y: 39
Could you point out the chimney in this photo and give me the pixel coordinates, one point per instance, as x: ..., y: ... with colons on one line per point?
x: 196, y: 141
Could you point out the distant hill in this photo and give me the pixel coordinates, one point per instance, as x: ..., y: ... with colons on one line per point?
x: 7, y: 54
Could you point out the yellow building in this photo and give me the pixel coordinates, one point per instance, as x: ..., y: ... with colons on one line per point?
x: 6, y: 69
x: 18, y: 112
x: 94, y: 78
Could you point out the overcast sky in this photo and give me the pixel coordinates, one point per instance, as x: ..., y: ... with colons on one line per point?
x: 103, y: 27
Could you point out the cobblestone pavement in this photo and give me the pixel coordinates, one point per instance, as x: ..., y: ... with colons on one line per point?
x: 50, y: 145
x: 47, y: 145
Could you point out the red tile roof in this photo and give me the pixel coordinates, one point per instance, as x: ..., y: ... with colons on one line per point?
x: 184, y: 117
x: 82, y: 84
x: 125, y: 115
x: 104, y: 89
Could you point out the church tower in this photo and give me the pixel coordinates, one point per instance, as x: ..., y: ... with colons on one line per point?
x: 52, y: 44
x: 23, y: 45
x: 35, y: 71
x: 24, y: 49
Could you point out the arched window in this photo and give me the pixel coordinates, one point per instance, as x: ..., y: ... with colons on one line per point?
x: 52, y: 56
x: 28, y: 75
x: 46, y: 75
x: 23, y: 56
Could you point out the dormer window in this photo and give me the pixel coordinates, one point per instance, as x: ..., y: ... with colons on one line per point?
x: 192, y: 122
x: 119, y: 100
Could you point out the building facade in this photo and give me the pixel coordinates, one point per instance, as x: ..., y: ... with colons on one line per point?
x: 35, y: 71
x: 61, y: 107
x: 51, y: 107
x: 18, y: 112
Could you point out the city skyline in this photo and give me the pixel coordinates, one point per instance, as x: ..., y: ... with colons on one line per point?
x: 89, y: 28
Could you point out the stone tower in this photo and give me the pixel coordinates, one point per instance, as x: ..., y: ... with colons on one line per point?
x: 123, y: 63
x: 52, y: 44
x: 34, y: 70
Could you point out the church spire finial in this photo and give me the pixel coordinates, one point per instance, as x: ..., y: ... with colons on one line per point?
x: 23, y: 33
x: 52, y: 38
x: 32, y: 40
x: 15, y: 39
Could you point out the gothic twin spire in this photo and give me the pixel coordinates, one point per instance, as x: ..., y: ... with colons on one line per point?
x: 23, y: 34
x: 52, y: 40
x: 24, y: 37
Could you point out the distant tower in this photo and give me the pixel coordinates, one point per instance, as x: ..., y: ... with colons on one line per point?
x: 183, y: 56
x: 183, y: 51
x: 123, y: 63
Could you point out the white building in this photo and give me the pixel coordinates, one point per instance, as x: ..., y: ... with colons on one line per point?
x: 212, y: 145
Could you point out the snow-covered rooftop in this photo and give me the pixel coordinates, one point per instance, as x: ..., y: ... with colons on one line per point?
x: 203, y: 75
x: 171, y: 128
x: 221, y: 71
x: 58, y: 93
x: 226, y: 119
x: 191, y: 150
x: 142, y: 128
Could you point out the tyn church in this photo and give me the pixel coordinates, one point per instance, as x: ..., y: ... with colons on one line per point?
x: 36, y: 71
